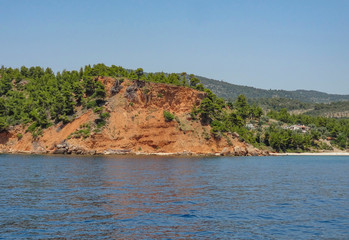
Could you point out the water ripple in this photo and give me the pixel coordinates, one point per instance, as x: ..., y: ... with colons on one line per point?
x: 49, y: 197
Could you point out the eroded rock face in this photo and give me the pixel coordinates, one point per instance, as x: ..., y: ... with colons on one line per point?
x: 138, y: 128
x: 131, y: 92
x: 116, y: 88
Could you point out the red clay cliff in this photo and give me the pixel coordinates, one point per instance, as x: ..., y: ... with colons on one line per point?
x: 136, y: 126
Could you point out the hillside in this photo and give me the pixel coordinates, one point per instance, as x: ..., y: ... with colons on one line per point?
x: 110, y: 110
x: 334, y: 109
x: 232, y: 91
x: 134, y: 123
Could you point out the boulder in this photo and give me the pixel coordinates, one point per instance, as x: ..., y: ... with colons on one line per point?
x: 59, y: 151
x: 235, y: 135
x: 239, y: 151
x: 251, y: 150
x: 225, y: 152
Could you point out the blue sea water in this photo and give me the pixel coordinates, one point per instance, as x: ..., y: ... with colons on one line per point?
x: 291, y: 197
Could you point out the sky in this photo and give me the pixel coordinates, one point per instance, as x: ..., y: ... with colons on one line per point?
x: 298, y: 44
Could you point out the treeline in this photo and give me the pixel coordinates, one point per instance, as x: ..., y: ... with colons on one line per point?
x: 333, y: 109
x: 277, y: 103
x: 232, y: 91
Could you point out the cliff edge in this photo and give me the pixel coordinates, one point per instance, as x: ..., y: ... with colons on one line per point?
x: 134, y: 122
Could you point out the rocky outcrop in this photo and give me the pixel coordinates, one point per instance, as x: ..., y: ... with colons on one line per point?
x: 116, y: 87
x: 66, y: 148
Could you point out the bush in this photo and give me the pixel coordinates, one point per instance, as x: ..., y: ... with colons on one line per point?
x: 91, y: 104
x: 19, y: 136
x: 168, y: 116
x: 84, y: 132
x: 104, y: 115
x: 100, y: 122
x: 97, y: 109
x: 65, y: 119
x: 3, y: 124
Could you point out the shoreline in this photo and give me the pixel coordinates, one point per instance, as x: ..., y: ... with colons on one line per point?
x: 138, y: 154
x: 312, y: 154
x: 177, y: 154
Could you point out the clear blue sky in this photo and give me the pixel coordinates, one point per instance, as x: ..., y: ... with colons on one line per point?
x: 267, y: 44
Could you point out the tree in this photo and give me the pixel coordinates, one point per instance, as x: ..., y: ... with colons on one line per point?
x: 184, y: 79
x: 2, y: 106
x: 5, y: 84
x: 173, y: 78
x: 3, y: 124
x: 242, y: 106
x: 24, y: 71
x: 99, y: 90
x: 139, y: 72
x: 89, y: 85
x: 205, y: 110
x: 48, y: 71
x: 256, y: 111
x: 194, y: 81
x: 235, y: 120
x: 284, y: 116
x: 200, y: 87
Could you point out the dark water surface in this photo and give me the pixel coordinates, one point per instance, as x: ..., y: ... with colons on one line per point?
x: 174, y: 198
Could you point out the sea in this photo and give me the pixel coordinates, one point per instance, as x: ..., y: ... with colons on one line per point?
x: 132, y: 197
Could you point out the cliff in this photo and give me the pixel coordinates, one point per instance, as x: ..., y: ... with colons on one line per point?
x: 135, y: 124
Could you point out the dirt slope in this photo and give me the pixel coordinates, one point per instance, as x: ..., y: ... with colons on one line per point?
x: 136, y: 125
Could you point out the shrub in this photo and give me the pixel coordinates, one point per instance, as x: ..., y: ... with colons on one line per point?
x: 19, y: 136
x: 84, y: 131
x: 91, y: 104
x: 100, y: 122
x: 3, y: 124
x: 65, y: 119
x: 104, y: 115
x: 168, y: 116
x: 97, y: 109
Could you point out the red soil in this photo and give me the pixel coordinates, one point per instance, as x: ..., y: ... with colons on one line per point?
x: 135, y: 125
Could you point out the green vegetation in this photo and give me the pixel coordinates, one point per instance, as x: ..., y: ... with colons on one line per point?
x: 101, y: 121
x: 84, y: 131
x: 139, y: 72
x: 271, y: 131
x: 334, y: 109
x: 37, y: 98
x: 230, y: 91
x: 226, y: 117
x: 278, y: 103
x: 337, y: 130
x: 19, y: 136
x: 168, y: 116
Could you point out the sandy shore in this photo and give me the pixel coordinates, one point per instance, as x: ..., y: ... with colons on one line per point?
x: 312, y: 154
